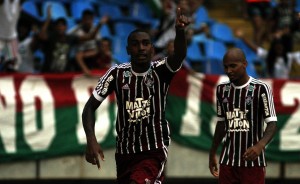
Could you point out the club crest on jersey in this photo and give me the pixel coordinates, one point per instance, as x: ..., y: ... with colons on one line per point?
x: 249, y: 100
x: 149, y: 82
x: 251, y: 88
x: 226, y: 88
x: 127, y: 74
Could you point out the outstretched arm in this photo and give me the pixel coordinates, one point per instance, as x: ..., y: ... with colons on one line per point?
x: 218, y: 137
x: 180, y: 45
x: 93, y: 149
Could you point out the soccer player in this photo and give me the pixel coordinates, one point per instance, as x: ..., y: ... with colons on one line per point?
x: 141, y: 88
x: 244, y: 104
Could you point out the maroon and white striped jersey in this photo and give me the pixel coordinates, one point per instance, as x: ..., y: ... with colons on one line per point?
x: 141, y: 99
x: 244, y: 109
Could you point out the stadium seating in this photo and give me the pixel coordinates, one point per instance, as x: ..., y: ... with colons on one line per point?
x: 31, y: 8
x: 119, y: 49
x: 123, y: 28
x: 214, y: 52
x: 78, y: 7
x: 222, y: 32
x: 58, y: 9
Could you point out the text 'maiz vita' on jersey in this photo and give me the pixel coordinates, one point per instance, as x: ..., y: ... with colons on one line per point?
x: 244, y: 109
x: 141, y: 99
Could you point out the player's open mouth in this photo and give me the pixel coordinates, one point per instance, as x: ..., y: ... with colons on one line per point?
x: 142, y: 56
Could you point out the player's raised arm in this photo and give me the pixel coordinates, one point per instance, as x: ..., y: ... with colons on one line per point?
x: 180, y: 44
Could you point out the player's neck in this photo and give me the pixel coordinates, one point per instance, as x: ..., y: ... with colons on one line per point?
x: 140, y: 68
x: 242, y: 81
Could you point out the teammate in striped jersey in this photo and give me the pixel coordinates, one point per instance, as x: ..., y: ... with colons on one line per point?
x: 141, y: 89
x: 244, y: 104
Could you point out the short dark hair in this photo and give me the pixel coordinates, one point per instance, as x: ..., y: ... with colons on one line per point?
x: 60, y: 20
x: 87, y: 12
x: 138, y: 30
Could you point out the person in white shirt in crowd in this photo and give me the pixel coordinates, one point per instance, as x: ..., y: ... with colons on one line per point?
x: 9, y: 15
x: 27, y: 46
x: 85, y: 27
x: 279, y: 62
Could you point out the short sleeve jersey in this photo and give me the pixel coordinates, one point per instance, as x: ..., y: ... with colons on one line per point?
x: 141, y: 98
x: 244, y: 110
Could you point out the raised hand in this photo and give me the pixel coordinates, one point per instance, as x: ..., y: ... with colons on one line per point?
x: 182, y: 21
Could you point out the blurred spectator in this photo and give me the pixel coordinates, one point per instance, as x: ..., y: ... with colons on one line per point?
x: 9, y: 15
x: 103, y: 56
x: 27, y: 45
x: 57, y: 44
x: 168, y: 50
x: 85, y: 27
x: 259, y: 12
x: 191, y: 8
x: 284, y: 19
x: 166, y: 28
x: 279, y: 61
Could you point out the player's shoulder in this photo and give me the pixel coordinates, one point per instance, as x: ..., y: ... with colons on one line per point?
x: 259, y: 82
x: 223, y: 84
x: 121, y: 66
x: 159, y: 62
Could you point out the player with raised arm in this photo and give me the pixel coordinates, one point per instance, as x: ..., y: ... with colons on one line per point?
x: 141, y: 89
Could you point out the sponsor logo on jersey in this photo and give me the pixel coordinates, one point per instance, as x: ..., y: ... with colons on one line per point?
x: 106, y: 84
x: 161, y: 62
x: 225, y: 100
x: 265, y: 101
x: 237, y: 120
x: 138, y: 109
x: 125, y: 87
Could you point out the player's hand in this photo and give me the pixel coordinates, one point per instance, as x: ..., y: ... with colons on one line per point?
x: 182, y: 21
x: 253, y: 152
x: 213, y: 165
x: 93, y: 152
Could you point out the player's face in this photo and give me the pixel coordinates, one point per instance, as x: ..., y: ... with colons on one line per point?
x: 234, y: 69
x: 140, y: 48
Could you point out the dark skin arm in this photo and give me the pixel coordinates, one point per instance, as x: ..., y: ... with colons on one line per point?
x: 93, y: 149
x: 180, y: 46
x: 253, y: 152
x: 217, y: 139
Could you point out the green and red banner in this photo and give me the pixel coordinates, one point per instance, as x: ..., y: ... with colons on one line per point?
x: 40, y: 115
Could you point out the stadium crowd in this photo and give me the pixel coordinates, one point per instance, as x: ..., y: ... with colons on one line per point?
x: 59, y: 36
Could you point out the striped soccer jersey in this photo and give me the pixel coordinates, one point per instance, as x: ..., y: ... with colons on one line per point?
x: 244, y: 109
x: 141, y: 98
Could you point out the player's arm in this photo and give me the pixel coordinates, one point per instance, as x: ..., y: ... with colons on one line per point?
x: 180, y: 45
x: 217, y: 139
x: 253, y: 152
x: 93, y: 149
x: 268, y: 134
x: 270, y: 118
